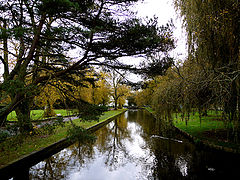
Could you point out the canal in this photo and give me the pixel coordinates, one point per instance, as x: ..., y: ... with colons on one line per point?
x: 136, y: 146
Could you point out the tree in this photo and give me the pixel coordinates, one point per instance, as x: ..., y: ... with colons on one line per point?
x: 47, y: 31
x: 123, y: 92
x: 144, y: 96
x: 101, y: 91
x: 119, y: 91
x: 213, y: 41
x: 132, y: 99
x: 183, y: 89
x: 46, y: 99
x: 97, y: 93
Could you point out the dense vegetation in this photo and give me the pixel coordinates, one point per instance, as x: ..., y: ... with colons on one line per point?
x: 66, y: 54
x: 52, y: 46
x: 209, y: 79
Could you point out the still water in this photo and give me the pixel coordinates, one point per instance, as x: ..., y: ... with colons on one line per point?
x: 136, y: 146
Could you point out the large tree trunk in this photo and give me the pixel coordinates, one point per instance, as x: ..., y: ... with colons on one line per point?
x: 48, y: 111
x: 234, y: 110
x: 6, y: 67
x: 115, y: 97
x: 23, y: 116
x: 115, y: 104
x: 3, y: 120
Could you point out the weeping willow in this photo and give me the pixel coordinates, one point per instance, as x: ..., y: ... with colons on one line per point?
x: 213, y: 28
x: 183, y: 89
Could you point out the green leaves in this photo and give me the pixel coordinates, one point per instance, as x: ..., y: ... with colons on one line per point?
x: 53, y: 7
x: 13, y: 86
x: 90, y: 111
x: 16, y: 32
x: 133, y: 37
x: 214, y: 43
x: 46, y: 31
x: 77, y: 133
x: 57, y: 7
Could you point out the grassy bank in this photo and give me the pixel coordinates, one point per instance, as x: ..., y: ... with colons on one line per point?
x: 194, y: 125
x: 38, y: 114
x: 15, y: 148
x: 211, y: 129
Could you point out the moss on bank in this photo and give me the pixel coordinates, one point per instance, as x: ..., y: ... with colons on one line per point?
x: 15, y: 148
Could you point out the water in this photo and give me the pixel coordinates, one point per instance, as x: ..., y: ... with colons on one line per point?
x: 136, y: 146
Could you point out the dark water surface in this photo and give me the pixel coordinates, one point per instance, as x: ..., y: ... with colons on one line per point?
x: 136, y: 146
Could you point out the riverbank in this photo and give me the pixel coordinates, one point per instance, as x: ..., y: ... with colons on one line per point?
x: 15, y: 148
x: 38, y: 115
x: 129, y: 148
x: 210, y: 132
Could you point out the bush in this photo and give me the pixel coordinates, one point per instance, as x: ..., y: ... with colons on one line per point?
x: 77, y: 133
x: 49, y: 128
x: 3, y: 135
x: 91, y: 111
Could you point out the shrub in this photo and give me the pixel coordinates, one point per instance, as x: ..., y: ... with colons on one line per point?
x: 77, y: 133
x: 3, y: 135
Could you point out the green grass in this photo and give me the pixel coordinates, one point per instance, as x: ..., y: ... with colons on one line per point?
x: 211, y: 128
x: 194, y: 126
x: 10, y: 150
x: 149, y: 109
x: 38, y: 114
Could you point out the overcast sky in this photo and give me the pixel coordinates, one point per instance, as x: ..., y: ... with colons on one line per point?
x: 164, y: 10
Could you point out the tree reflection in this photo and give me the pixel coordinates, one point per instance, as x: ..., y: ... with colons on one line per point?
x: 59, y: 165
x: 166, y: 159
x: 126, y: 145
x: 172, y: 161
x: 111, y: 142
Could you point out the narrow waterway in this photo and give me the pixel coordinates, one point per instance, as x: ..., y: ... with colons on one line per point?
x: 136, y: 146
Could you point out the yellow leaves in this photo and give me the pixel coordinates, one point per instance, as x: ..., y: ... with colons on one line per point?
x: 48, y: 96
x: 5, y: 100
x: 195, y: 33
x: 144, y: 97
x: 84, y: 94
x: 123, y: 92
x: 94, y: 95
x: 224, y: 12
x: 104, y: 75
x: 101, y: 92
x: 98, y: 94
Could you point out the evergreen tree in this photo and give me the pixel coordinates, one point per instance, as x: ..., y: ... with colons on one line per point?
x: 47, y: 31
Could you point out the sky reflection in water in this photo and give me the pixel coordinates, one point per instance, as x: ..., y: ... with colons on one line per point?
x: 127, y: 150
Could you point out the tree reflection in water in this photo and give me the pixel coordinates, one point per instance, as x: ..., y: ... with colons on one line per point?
x: 109, y: 142
x: 131, y: 147
x: 112, y: 144
x: 57, y: 166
